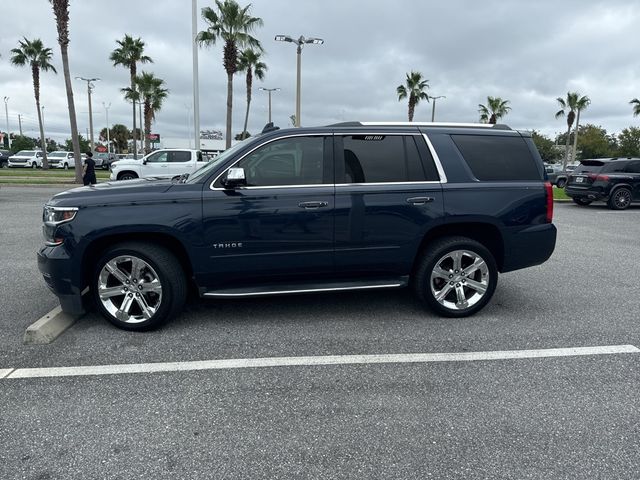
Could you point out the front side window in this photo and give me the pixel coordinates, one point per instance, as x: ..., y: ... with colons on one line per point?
x: 633, y: 167
x: 160, y: 157
x: 381, y: 159
x: 289, y: 161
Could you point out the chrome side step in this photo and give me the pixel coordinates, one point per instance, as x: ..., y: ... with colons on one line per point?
x: 308, y: 288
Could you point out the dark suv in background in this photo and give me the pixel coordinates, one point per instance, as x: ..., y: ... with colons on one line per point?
x: 613, y: 180
x: 441, y: 208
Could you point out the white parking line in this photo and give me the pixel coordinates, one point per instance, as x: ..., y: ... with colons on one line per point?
x: 311, y: 361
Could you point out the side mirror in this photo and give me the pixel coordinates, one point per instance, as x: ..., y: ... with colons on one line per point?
x: 144, y: 162
x: 235, y: 178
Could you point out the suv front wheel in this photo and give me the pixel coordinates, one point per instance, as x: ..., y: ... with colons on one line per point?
x: 138, y: 286
x: 456, y: 277
x: 620, y: 199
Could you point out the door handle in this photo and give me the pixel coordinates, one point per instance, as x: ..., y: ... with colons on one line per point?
x: 420, y: 200
x: 312, y: 205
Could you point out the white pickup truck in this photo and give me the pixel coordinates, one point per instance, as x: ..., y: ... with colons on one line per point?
x: 165, y: 163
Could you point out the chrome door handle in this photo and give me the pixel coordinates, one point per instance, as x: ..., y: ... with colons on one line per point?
x: 420, y: 200
x: 312, y: 205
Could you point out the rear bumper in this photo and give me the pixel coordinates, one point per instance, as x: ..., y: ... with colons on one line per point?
x: 56, y: 268
x: 531, y: 246
x: 586, y: 193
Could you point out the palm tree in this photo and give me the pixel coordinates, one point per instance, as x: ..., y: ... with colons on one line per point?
x: 61, y: 12
x: 494, y: 110
x: 129, y: 52
x: 573, y: 103
x: 233, y: 25
x: 636, y: 106
x: 152, y: 93
x: 249, y: 61
x: 414, y: 89
x: 33, y: 53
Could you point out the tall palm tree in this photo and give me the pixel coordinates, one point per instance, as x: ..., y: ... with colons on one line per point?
x: 151, y: 92
x: 636, y: 106
x: 34, y: 54
x: 130, y: 51
x: 61, y: 12
x: 582, y: 104
x: 414, y: 89
x: 249, y: 61
x: 574, y: 103
x: 233, y: 25
x: 494, y: 110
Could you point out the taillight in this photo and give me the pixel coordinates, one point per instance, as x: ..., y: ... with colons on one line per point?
x: 594, y: 177
x: 549, y: 191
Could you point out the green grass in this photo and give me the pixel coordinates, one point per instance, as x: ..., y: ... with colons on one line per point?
x: 558, y: 194
x: 57, y: 173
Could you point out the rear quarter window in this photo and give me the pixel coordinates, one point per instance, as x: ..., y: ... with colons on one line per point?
x: 497, y: 158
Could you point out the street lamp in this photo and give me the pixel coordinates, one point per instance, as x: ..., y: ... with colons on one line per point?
x: 196, y: 85
x: 6, y: 112
x: 89, y: 90
x: 106, y: 109
x: 299, y: 42
x: 433, y: 107
x: 269, y: 90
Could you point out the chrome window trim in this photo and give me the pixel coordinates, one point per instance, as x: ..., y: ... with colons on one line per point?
x: 436, y: 159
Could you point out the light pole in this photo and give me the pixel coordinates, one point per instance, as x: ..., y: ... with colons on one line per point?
x: 299, y: 42
x: 433, y: 107
x: 196, y: 87
x: 89, y: 90
x: 6, y: 113
x: 188, y: 107
x: 269, y: 90
x: 106, y: 109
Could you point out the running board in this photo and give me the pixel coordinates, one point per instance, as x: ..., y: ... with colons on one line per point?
x: 307, y: 288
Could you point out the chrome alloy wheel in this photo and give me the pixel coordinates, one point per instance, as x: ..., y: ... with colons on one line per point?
x: 459, y: 279
x: 129, y: 289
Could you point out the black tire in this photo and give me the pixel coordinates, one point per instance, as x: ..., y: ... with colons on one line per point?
x: 561, y: 183
x: 581, y: 201
x: 127, y: 176
x: 66, y: 166
x: 433, y: 255
x: 34, y: 165
x: 169, y: 273
x: 620, y: 199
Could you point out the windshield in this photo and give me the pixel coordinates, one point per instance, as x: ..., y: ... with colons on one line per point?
x: 26, y: 153
x: 57, y: 154
x: 204, y: 171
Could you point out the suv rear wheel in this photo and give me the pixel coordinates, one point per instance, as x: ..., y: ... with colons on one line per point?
x: 620, y: 199
x: 456, y: 277
x: 138, y: 286
x: 561, y: 182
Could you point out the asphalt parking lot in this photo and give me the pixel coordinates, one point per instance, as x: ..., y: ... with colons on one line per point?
x: 565, y: 417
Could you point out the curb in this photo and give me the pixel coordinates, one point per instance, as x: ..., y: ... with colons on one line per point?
x: 49, y: 327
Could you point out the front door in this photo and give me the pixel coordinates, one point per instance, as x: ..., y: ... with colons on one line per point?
x: 279, y: 227
x: 157, y: 165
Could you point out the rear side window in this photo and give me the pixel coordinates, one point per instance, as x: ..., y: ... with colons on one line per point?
x: 381, y: 159
x: 496, y: 158
x: 633, y: 167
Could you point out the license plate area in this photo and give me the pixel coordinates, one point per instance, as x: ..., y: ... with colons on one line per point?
x: 579, y: 179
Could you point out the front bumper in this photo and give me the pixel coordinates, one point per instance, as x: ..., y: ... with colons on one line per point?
x: 59, y: 275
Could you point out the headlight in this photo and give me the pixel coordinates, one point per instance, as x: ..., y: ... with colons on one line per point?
x: 58, y: 215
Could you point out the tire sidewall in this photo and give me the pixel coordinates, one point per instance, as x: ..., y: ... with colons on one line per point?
x: 434, y: 254
x: 166, y: 304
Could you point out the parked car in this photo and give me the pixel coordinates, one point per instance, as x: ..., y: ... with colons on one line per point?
x: 442, y: 208
x: 557, y: 176
x: 26, y: 159
x: 61, y: 160
x: 613, y: 180
x: 165, y: 163
x: 104, y: 160
x: 4, y: 158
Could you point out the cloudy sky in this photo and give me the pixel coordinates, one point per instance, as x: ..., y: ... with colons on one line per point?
x: 526, y: 52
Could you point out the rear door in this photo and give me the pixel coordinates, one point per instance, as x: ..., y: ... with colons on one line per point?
x: 388, y: 194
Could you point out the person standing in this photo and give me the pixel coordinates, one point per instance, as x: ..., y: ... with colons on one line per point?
x: 89, y: 170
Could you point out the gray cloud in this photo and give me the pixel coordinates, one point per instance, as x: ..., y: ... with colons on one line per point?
x: 527, y: 52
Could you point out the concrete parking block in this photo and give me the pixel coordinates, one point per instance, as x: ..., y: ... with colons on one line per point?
x: 49, y: 327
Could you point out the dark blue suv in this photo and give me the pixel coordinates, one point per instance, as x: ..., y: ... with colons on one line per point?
x: 439, y: 207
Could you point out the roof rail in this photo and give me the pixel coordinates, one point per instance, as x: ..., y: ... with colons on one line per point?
x: 498, y: 126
